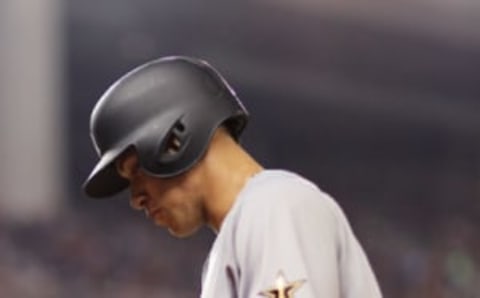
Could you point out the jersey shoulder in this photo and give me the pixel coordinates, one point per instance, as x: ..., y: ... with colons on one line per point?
x: 274, y: 190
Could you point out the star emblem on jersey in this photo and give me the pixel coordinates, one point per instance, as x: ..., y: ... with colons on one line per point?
x: 282, y: 287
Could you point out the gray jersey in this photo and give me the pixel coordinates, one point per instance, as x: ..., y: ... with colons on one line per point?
x: 286, y: 238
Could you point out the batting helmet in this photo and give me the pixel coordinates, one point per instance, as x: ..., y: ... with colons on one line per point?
x: 176, y: 96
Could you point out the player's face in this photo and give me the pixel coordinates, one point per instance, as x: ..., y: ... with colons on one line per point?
x: 174, y: 203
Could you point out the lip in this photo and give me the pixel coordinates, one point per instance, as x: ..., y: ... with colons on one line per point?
x: 158, y: 216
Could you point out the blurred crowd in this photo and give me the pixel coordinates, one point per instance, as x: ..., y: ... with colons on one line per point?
x: 439, y: 259
x: 98, y: 254
x: 87, y: 254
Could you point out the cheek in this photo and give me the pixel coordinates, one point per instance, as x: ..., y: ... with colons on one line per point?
x: 167, y: 196
x: 182, y: 205
x: 159, y: 189
x: 173, y: 193
x: 180, y: 198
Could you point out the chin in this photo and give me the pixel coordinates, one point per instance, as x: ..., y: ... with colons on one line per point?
x: 181, y: 233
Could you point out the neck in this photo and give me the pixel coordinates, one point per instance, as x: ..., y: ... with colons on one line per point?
x: 230, y: 168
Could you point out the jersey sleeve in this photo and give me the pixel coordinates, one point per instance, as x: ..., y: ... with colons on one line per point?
x: 293, y: 238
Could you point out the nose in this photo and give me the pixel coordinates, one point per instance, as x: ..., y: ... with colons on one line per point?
x: 138, y: 197
x: 138, y: 201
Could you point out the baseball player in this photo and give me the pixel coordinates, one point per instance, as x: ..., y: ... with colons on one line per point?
x: 169, y: 130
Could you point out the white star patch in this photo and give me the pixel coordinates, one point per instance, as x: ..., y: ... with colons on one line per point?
x: 282, y: 288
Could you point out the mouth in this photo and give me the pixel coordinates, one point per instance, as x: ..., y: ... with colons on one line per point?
x: 158, y: 216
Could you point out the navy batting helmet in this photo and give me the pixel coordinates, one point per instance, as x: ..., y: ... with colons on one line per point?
x: 176, y: 96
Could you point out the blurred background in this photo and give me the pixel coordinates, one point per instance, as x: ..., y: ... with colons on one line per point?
x: 377, y: 102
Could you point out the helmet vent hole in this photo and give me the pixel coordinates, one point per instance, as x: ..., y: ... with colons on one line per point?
x: 173, y: 145
x: 180, y: 127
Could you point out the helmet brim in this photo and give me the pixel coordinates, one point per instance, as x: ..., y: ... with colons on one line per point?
x: 104, y: 180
